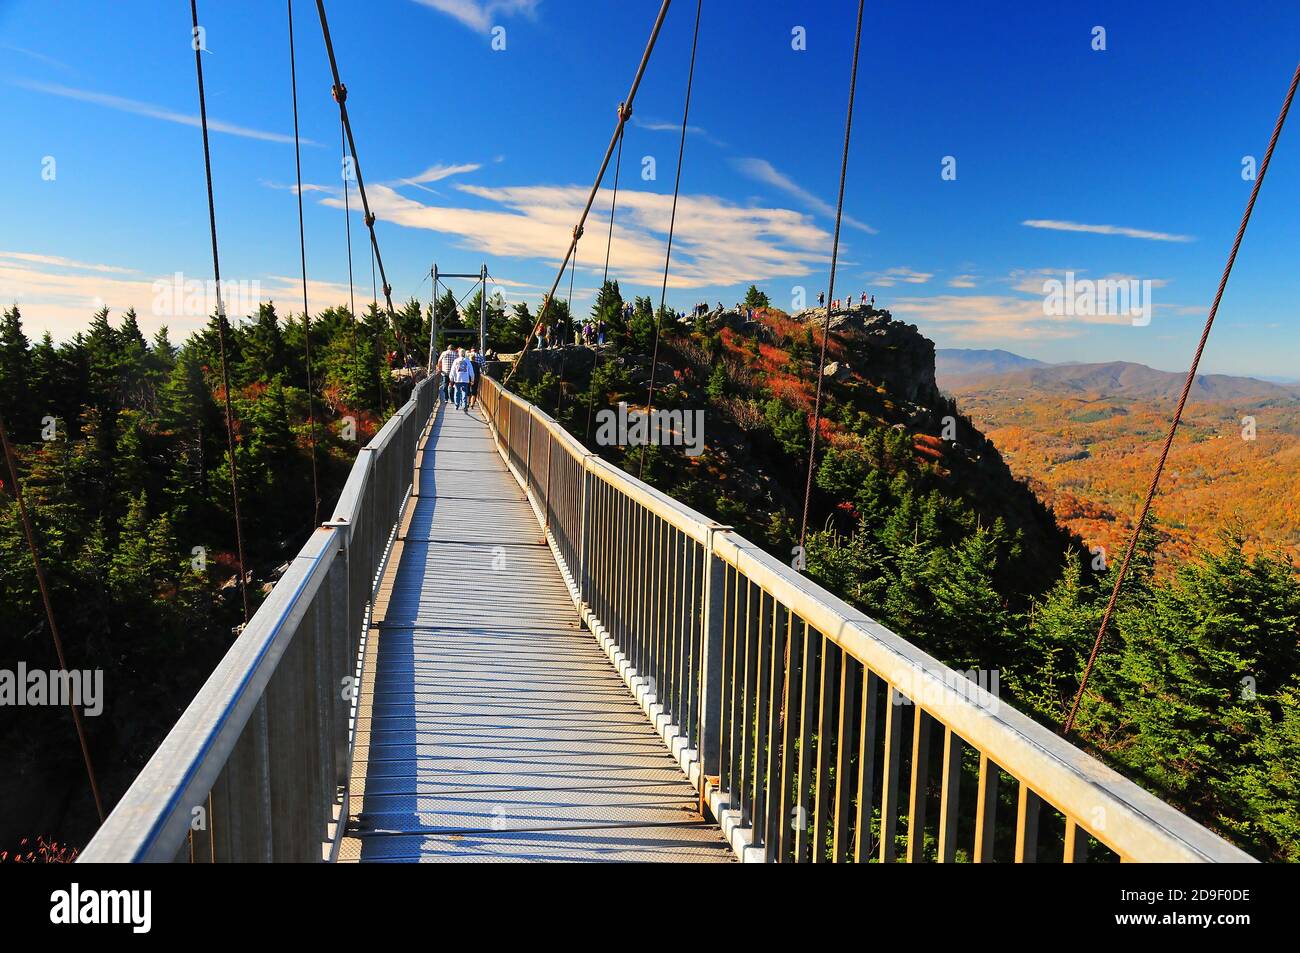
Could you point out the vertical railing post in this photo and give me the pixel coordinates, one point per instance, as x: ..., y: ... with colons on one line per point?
x: 528, y: 448
x: 712, y: 616
x: 242, y: 798
x: 343, y: 656
x: 546, y: 494
x: 583, y: 587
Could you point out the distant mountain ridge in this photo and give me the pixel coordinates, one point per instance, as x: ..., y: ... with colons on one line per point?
x: 953, y: 365
x: 961, y: 371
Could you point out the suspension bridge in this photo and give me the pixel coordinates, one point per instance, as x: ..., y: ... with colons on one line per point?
x: 501, y: 647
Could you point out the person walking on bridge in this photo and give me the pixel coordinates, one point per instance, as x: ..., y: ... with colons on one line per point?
x: 445, y: 360
x: 462, y: 376
x: 476, y: 359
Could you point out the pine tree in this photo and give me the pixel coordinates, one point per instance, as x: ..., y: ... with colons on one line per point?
x: 755, y: 298
x: 134, y: 363
x: 195, y: 426
x: 608, y: 306
x: 15, y: 373
x: 718, y: 383
x: 263, y: 352
x: 44, y: 377
x: 104, y: 353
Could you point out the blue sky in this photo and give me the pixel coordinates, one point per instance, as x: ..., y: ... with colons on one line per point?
x: 474, y: 154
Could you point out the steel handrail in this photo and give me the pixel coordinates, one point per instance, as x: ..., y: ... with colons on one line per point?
x: 314, y: 611
x: 1093, y: 798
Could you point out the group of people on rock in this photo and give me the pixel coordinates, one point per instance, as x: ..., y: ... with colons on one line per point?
x: 837, y: 303
x: 590, y: 333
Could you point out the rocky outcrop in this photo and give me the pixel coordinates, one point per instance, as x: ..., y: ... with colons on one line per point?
x: 887, y: 352
x: 569, y: 361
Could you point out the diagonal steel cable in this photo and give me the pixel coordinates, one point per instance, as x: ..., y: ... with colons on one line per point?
x: 1068, y: 725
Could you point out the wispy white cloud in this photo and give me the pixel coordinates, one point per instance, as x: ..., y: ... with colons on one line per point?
x: 984, y: 318
x: 760, y: 170
x: 663, y: 125
x: 481, y: 15
x: 1018, y: 316
x: 60, y: 295
x: 1030, y: 280
x: 60, y: 262
x: 138, y: 108
x: 962, y: 281
x: 39, y: 57
x: 716, y: 242
x: 893, y: 276
x: 436, y: 173
x: 1060, y: 226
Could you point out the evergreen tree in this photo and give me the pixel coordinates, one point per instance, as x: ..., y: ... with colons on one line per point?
x: 44, y: 378
x: 263, y: 354
x: 15, y: 375
x: 755, y: 298
x: 608, y: 307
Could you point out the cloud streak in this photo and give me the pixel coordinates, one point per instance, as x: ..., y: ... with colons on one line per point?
x: 891, y: 277
x: 121, y: 104
x: 1061, y: 226
x: 662, y: 125
x: 60, y: 295
x: 479, y: 15
x: 716, y: 242
x: 760, y: 170
x: 436, y: 173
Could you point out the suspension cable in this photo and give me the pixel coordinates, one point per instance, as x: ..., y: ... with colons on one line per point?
x: 352, y: 287
x: 604, y: 278
x: 341, y: 97
x: 49, y: 612
x: 221, y: 315
x: 573, y: 268
x: 623, y: 115
x: 374, y: 303
x: 302, y: 252
x: 564, y: 352
x: 613, y: 202
x: 1068, y: 724
x: 672, y: 223
x: 830, y: 295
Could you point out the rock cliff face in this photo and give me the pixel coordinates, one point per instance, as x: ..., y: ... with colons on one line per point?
x: 883, y: 351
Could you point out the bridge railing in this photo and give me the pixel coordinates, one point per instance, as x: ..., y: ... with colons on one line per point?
x: 256, y: 768
x: 816, y: 734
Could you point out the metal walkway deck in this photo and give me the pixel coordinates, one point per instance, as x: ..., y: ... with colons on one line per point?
x: 491, y: 726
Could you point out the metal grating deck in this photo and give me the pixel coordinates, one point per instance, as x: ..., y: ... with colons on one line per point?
x: 492, y: 728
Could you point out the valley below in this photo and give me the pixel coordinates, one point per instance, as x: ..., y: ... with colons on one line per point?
x: 1087, y: 439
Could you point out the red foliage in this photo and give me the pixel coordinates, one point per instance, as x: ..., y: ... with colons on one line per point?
x: 42, y: 852
x: 790, y: 389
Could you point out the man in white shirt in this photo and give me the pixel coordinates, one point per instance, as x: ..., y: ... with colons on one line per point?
x: 462, y: 376
x: 445, y: 360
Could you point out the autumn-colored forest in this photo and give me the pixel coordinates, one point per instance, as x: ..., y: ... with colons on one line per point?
x: 1091, y: 458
